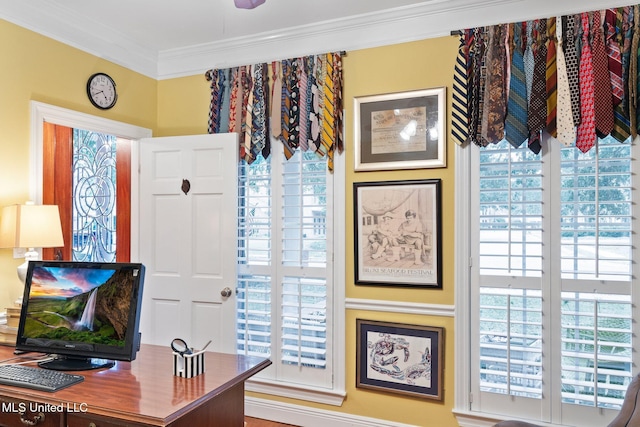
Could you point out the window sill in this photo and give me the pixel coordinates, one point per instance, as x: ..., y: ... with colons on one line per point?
x: 296, y: 391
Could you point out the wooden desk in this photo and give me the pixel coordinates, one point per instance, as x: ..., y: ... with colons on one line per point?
x: 141, y: 393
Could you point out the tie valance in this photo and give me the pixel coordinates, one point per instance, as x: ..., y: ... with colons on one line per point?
x: 295, y: 101
x: 572, y: 78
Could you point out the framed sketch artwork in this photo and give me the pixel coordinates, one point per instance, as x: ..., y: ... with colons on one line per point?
x: 404, y: 130
x: 398, y: 233
x: 399, y: 358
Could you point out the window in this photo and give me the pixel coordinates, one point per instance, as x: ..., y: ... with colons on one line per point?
x: 286, y: 267
x: 551, y: 244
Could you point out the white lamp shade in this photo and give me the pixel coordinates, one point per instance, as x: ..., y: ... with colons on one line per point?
x: 30, y: 226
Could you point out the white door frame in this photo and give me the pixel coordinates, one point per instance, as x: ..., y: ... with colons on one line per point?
x: 41, y: 113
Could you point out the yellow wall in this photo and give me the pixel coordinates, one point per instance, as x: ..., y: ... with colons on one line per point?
x: 37, y: 68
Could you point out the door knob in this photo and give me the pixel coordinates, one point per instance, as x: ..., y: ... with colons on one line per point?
x: 226, y: 292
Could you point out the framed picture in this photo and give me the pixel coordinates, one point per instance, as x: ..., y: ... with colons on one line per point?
x: 403, y: 130
x: 400, y: 358
x: 398, y: 233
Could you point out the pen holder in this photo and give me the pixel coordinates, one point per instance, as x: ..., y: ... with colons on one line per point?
x: 188, y: 365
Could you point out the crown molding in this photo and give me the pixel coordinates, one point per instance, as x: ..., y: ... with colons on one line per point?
x: 420, y: 21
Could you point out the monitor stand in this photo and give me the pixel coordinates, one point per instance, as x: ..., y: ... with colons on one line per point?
x: 65, y: 363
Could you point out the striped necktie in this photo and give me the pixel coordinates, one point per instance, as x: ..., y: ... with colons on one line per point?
x: 551, y: 78
x: 327, y: 136
x: 214, y: 111
x: 603, y: 109
x: 459, y: 109
x: 614, y: 57
x: 303, y: 80
x: 338, y: 106
x: 516, y: 121
x: 586, y: 138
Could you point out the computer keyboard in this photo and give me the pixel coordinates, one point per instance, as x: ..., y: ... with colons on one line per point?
x: 37, y: 378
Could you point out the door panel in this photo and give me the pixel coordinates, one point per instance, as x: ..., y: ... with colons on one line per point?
x: 187, y: 239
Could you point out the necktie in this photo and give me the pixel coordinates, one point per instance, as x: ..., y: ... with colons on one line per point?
x: 479, y: 75
x: 586, y: 137
x: 247, y: 105
x: 285, y: 136
x: 603, y: 109
x: 225, y: 101
x: 276, y: 99
x: 571, y: 61
x: 633, y: 74
x: 537, y: 114
x: 338, y: 121
x: 566, y: 127
x: 258, y: 121
x: 315, y: 114
x: 614, y: 57
x: 310, y: 69
x: 459, y: 108
x: 233, y: 100
x: 621, y: 121
x: 494, y: 109
x: 327, y: 136
x: 214, y: 111
x: 528, y: 60
x: 304, y: 106
x: 266, y: 147
x: 516, y: 121
x: 551, y: 78
x: 294, y: 106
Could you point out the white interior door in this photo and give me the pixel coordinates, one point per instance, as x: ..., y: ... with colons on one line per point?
x: 188, y: 228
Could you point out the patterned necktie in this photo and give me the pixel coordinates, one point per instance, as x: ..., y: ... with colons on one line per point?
x: 586, y: 137
x: 621, y: 121
x: 571, y: 61
x: 551, y: 78
x: 494, y: 109
x: 338, y: 106
x: 459, y: 109
x: 258, y: 118
x: 528, y: 60
x: 614, y: 57
x: 315, y: 114
x: 327, y: 136
x: 633, y: 74
x: 537, y: 114
x: 516, y: 121
x: 233, y: 100
x: 303, y: 79
x: 603, y: 109
x: 479, y: 76
x: 566, y: 127
x: 285, y: 135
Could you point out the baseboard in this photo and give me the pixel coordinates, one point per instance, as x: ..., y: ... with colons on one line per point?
x: 306, y: 416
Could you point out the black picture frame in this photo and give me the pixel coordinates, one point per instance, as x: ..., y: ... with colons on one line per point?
x: 400, y: 358
x: 398, y: 233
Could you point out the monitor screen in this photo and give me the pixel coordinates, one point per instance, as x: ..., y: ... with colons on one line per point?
x: 84, y: 314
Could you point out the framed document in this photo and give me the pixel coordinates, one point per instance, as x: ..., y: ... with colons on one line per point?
x: 403, y: 130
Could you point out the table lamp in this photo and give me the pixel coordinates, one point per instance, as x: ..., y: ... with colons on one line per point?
x: 30, y: 226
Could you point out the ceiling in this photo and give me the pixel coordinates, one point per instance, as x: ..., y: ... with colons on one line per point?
x: 163, y: 39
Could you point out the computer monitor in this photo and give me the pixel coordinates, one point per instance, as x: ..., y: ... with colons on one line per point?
x: 85, y: 314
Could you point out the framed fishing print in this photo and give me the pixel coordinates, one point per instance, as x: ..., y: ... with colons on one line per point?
x: 404, y: 130
x: 399, y: 358
x: 398, y: 233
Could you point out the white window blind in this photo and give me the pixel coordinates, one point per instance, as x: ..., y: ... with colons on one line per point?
x: 553, y: 236
x: 284, y: 281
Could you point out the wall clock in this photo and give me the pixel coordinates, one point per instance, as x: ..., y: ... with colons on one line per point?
x: 101, y: 90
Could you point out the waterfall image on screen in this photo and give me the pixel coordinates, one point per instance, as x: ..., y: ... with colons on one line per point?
x: 79, y: 305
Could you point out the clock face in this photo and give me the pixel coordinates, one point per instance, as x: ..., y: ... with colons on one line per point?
x: 101, y: 90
